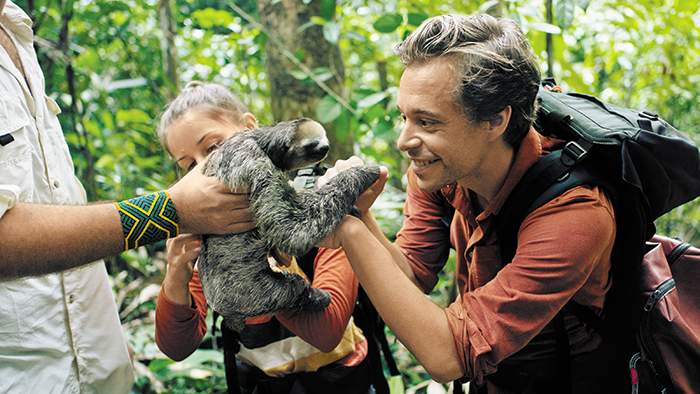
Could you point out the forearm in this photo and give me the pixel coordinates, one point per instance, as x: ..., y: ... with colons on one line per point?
x: 177, y: 293
x: 396, y: 253
x: 179, y: 329
x: 417, y: 322
x: 39, y: 239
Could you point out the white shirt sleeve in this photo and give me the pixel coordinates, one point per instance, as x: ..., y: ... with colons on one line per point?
x: 8, y: 197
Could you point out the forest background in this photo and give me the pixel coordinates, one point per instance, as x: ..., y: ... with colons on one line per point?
x: 113, y: 65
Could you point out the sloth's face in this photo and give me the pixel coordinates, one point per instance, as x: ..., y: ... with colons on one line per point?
x: 192, y: 138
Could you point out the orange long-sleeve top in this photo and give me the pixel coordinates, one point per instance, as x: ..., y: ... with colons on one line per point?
x: 180, y: 329
x: 563, y: 252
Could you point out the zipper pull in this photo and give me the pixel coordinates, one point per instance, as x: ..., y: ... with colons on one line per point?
x: 634, y: 375
x: 660, y: 291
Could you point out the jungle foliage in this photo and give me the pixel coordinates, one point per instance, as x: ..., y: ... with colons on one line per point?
x: 113, y: 65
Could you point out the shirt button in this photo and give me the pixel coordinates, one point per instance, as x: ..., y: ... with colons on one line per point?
x: 71, y: 298
x: 470, y: 255
x: 56, y: 184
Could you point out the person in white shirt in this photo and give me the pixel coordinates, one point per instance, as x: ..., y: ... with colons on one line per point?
x: 59, y: 327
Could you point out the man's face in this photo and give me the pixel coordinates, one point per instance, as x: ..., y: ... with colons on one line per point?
x: 444, y: 147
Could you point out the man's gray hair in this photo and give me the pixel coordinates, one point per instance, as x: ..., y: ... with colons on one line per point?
x: 494, y: 61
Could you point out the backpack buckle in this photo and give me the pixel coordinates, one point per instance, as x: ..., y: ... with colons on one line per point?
x: 572, y: 153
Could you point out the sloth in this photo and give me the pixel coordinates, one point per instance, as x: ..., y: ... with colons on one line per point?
x: 234, y: 270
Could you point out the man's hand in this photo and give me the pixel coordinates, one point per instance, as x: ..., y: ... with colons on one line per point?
x: 205, y: 206
x: 334, y: 240
x: 366, y: 199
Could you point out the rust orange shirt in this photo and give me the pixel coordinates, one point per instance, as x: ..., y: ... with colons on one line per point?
x: 563, y: 253
x: 180, y: 329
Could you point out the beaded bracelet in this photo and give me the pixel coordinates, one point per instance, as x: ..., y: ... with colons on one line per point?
x: 147, y: 219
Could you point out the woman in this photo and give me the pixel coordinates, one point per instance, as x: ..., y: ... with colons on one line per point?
x: 318, y: 352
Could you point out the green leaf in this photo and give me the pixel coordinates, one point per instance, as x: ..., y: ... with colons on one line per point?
x: 92, y: 128
x: 353, y: 35
x: 106, y: 118
x: 327, y: 9
x: 331, y: 32
x: 298, y: 74
x: 158, y: 364
x: 341, y: 125
x: 373, y: 113
x: 370, y: 100
x: 584, y: 3
x: 545, y: 27
x: 323, y: 73
x: 564, y: 12
x: 328, y: 110
x: 308, y: 24
x: 209, y: 17
x: 388, y: 23
x: 487, y: 5
x: 132, y: 115
x: 385, y: 130
x: 260, y: 39
x: 204, y: 355
x: 395, y: 385
x: 415, y: 19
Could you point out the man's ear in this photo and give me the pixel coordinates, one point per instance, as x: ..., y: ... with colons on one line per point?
x: 498, y: 125
x: 250, y: 121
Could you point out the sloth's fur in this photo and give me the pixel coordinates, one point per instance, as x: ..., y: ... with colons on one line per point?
x: 236, y: 277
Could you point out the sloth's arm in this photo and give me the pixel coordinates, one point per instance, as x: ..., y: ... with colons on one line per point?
x: 296, y: 222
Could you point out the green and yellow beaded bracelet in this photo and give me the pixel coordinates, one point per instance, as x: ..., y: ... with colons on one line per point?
x: 148, y: 219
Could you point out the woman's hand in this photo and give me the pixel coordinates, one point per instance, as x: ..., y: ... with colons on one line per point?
x: 183, y: 252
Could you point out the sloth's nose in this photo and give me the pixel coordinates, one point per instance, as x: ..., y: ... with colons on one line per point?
x: 317, y: 150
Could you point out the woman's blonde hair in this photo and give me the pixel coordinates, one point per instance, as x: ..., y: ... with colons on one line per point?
x: 215, y: 101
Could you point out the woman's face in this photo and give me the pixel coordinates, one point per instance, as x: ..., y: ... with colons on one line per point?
x: 192, y: 138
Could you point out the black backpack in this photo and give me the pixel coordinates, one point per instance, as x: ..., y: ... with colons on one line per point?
x: 647, y: 168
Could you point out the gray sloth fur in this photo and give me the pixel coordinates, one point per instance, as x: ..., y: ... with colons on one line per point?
x: 234, y: 270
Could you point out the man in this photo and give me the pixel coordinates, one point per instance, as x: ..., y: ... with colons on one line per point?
x: 61, y: 333
x: 467, y: 97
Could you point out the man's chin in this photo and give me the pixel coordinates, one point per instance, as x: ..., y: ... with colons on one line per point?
x: 429, y: 187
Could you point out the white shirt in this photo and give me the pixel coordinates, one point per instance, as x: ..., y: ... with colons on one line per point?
x: 59, y: 333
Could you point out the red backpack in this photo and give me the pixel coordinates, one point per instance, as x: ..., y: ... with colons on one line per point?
x: 669, y: 326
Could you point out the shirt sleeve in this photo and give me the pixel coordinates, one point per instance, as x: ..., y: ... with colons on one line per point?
x: 563, y: 250
x: 8, y: 196
x: 424, y: 237
x: 180, y: 329
x: 324, y: 329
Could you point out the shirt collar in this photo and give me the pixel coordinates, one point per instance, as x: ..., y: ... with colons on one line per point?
x: 17, y: 21
x: 531, y: 149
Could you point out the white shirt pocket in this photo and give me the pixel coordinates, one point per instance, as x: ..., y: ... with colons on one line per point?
x: 19, y: 136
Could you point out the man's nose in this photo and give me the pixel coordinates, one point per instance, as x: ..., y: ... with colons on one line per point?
x: 407, y: 138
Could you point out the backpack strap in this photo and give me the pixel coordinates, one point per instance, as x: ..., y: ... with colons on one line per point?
x: 229, y: 341
x: 553, y: 175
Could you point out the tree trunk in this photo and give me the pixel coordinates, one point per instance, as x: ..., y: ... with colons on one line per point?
x: 549, y: 44
x: 290, y: 97
x: 168, y: 28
